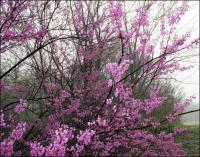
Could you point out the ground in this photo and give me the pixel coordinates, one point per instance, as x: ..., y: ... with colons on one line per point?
x: 191, y: 141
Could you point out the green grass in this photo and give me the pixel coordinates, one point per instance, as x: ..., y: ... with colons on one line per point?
x: 190, y: 141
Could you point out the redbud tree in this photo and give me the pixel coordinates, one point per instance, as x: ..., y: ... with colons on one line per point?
x: 82, y: 78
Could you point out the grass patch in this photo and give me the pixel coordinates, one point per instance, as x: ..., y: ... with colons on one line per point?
x: 190, y: 141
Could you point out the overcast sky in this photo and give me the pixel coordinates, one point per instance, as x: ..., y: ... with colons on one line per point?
x: 190, y: 79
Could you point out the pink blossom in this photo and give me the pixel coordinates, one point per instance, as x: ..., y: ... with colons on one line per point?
x: 108, y: 101
x: 62, y: 135
x: 57, y: 102
x: 6, y: 147
x: 8, y: 35
x: 37, y: 149
x: 116, y: 12
x: 21, y: 106
x: 2, y: 122
x: 174, y: 17
x: 18, y: 132
x: 171, y: 118
x: 55, y: 150
x: 179, y: 131
x: 51, y: 87
x: 110, y: 83
x: 118, y: 70
x: 101, y: 122
x: 63, y: 95
x: 179, y: 107
x: 77, y: 149
x: 85, y: 136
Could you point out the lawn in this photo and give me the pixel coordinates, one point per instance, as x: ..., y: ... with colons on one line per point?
x: 191, y: 141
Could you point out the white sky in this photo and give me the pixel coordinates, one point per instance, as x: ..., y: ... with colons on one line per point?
x: 190, y: 78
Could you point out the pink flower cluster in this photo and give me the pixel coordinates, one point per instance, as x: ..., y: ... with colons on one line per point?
x: 58, y: 101
x: 174, y: 17
x: 176, y: 44
x: 108, y: 101
x: 75, y: 104
x: 84, y: 139
x: 141, y: 20
x: 51, y: 87
x: 122, y: 92
x: 116, y: 12
x: 55, y: 150
x: 63, y: 95
x: 117, y: 70
x: 179, y: 131
x: 58, y: 145
x: 2, y: 122
x: 142, y: 17
x: 21, y: 106
x: 37, y: 149
x: 6, y: 147
x: 85, y: 136
x: 99, y: 122
x: 62, y: 135
x: 9, y: 35
x: 179, y: 107
x: 18, y: 132
x: 171, y: 117
x: 153, y: 102
x: 110, y: 83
